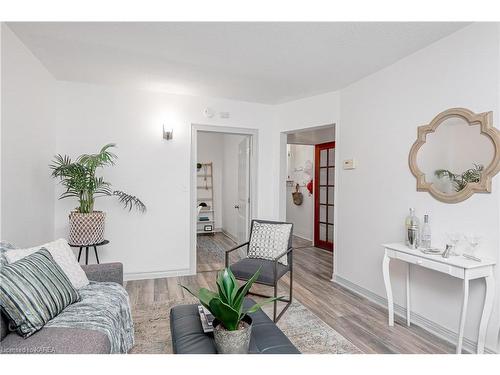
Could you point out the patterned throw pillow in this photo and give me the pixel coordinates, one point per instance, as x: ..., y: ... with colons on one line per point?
x: 269, y: 240
x: 4, y: 246
x: 62, y: 254
x: 34, y: 290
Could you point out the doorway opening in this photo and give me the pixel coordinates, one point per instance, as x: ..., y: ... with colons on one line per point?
x: 222, y: 193
x: 310, y: 186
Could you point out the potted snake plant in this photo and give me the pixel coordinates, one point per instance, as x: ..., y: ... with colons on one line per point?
x: 86, y: 225
x: 232, y: 324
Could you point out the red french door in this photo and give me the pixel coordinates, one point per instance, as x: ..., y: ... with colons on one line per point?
x: 324, y: 184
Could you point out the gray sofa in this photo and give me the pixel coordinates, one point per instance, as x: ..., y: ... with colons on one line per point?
x: 52, y: 340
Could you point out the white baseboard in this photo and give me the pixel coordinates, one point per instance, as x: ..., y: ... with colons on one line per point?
x: 303, y: 237
x: 156, y: 274
x: 229, y: 235
x: 417, y: 319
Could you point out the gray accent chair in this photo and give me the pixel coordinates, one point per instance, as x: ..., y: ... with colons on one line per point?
x: 271, y: 271
x: 52, y: 340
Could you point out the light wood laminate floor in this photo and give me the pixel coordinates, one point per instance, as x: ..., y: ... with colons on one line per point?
x: 359, y: 320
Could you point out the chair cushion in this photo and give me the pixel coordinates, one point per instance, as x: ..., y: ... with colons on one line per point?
x: 34, y: 290
x: 246, y: 268
x: 268, y: 240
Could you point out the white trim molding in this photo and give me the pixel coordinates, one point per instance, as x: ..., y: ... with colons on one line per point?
x: 155, y: 274
x: 419, y: 320
x: 195, y: 128
x: 229, y: 235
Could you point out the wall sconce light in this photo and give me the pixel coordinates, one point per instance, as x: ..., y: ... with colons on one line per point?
x: 168, y: 133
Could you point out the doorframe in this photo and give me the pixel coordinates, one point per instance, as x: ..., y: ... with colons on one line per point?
x: 252, y: 207
x: 337, y: 190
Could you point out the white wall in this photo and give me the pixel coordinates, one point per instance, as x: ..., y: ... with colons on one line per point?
x: 301, y: 216
x: 157, y: 243
x: 379, y: 120
x: 310, y: 112
x: 230, y: 185
x: 27, y: 145
x: 211, y: 150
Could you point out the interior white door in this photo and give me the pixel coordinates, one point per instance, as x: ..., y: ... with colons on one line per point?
x: 242, y: 206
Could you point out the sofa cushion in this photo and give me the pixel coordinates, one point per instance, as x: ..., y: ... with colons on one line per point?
x: 4, y: 247
x: 34, y: 290
x: 104, y: 307
x: 268, y: 240
x: 63, y: 256
x: 244, y: 269
x: 51, y: 340
x: 4, y: 325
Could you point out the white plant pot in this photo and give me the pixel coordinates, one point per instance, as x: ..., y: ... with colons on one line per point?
x: 233, y: 342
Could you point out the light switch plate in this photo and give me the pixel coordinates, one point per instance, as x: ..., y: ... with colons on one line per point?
x: 349, y: 164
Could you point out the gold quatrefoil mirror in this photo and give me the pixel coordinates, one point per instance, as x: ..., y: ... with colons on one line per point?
x: 456, y: 155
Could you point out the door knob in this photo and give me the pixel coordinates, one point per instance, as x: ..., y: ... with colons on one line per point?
x: 237, y: 206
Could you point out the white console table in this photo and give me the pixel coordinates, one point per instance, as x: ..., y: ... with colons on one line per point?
x: 456, y: 266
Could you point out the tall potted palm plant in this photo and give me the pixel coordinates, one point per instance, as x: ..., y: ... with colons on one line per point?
x: 86, y: 226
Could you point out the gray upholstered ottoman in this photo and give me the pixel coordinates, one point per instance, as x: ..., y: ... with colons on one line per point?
x: 188, y: 336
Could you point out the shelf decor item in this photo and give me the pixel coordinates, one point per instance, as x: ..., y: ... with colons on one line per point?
x: 86, y: 226
x: 232, y: 324
x: 205, y: 198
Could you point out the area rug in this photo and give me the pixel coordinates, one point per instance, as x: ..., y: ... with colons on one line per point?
x: 304, y: 329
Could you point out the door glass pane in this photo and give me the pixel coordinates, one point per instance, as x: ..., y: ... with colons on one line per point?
x: 330, y: 214
x: 323, y: 158
x: 331, y: 156
x: 322, y: 195
x: 322, y: 213
x: 322, y: 232
x: 330, y: 195
x: 331, y: 176
x: 330, y: 233
x: 322, y: 176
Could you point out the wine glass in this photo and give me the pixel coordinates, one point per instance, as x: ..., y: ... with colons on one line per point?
x: 473, y: 240
x: 454, y: 239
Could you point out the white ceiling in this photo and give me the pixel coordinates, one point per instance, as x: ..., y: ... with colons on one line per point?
x: 259, y: 62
